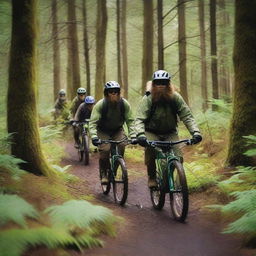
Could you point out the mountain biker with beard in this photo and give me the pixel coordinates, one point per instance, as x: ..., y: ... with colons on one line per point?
x: 107, y: 120
x: 157, y: 119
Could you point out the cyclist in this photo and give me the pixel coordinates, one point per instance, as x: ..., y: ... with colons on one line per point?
x: 107, y: 120
x: 81, y: 93
x: 60, y: 104
x: 157, y: 118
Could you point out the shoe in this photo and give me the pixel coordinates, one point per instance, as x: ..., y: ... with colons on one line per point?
x: 104, y: 180
x: 152, y: 183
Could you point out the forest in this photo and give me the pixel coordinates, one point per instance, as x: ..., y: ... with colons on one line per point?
x: 52, y: 202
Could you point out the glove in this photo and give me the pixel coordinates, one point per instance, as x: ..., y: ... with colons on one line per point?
x: 196, y: 138
x: 74, y: 123
x: 96, y: 141
x: 134, y: 141
x: 142, y: 140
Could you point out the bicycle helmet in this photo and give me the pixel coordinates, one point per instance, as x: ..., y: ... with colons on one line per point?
x: 89, y: 100
x: 62, y: 92
x: 81, y: 90
x: 161, y: 74
x: 112, y: 85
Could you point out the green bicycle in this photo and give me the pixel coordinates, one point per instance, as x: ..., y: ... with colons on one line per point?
x: 170, y: 178
x: 117, y: 174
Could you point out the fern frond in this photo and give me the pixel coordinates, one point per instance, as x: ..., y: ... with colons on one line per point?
x: 61, y: 169
x: 14, y: 242
x: 78, y: 213
x: 14, y: 208
x: 5, y: 142
x: 49, y: 132
x: 245, y: 202
x: 11, y: 164
x: 244, y: 225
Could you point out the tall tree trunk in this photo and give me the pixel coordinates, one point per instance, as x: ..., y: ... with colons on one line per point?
x: 160, y: 43
x: 223, y: 64
x: 204, y: 91
x: 118, y: 43
x: 72, y: 36
x: 182, y: 49
x: 215, y: 86
x: 147, y: 61
x: 244, y: 108
x: 101, y: 34
x: 124, y: 49
x: 86, y: 50
x: 22, y: 117
x: 56, y: 51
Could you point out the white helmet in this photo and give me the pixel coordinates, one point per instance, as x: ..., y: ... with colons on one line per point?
x: 112, y: 85
x: 81, y: 90
x: 62, y: 92
x: 161, y: 74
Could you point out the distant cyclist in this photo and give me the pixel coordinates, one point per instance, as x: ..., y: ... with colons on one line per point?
x: 107, y: 120
x: 79, y: 99
x: 85, y: 109
x: 60, y: 104
x: 157, y: 118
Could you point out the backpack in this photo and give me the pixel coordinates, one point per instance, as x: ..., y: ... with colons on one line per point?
x: 173, y: 106
x: 104, y: 110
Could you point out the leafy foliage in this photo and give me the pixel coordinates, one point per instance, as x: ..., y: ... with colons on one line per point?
x: 11, y: 164
x: 18, y: 213
x: 5, y: 142
x: 49, y: 132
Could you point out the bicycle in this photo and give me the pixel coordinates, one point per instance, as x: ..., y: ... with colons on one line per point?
x: 117, y: 174
x: 170, y: 178
x: 84, y: 147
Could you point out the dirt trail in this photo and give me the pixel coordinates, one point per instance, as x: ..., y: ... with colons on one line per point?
x: 150, y: 232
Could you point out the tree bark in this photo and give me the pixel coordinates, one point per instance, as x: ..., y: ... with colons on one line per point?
x: 182, y: 50
x: 101, y: 34
x: 244, y: 108
x: 118, y: 43
x: 147, y: 60
x: 223, y: 64
x: 73, y: 44
x: 204, y: 91
x: 86, y: 50
x: 160, y: 43
x: 124, y: 49
x: 56, y: 51
x: 215, y: 86
x: 22, y: 117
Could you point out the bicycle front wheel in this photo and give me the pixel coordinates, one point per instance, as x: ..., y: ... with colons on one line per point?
x: 81, y: 150
x: 86, y: 150
x: 179, y: 193
x: 157, y: 194
x: 120, y: 185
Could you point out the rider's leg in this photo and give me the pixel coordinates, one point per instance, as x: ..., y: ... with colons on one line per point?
x: 176, y: 148
x: 119, y: 136
x: 150, y: 161
x: 104, y: 151
x: 76, y: 136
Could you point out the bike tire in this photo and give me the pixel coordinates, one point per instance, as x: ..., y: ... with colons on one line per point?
x: 179, y: 200
x: 157, y: 194
x: 86, y: 150
x: 81, y: 151
x: 120, y: 185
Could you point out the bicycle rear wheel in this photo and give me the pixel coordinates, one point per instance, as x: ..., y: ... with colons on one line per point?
x: 157, y: 194
x: 179, y: 196
x: 120, y: 185
x: 86, y: 150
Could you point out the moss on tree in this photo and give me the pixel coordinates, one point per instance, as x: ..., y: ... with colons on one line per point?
x: 243, y: 121
x: 22, y: 112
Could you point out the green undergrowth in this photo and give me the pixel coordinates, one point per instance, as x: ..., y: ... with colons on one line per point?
x: 134, y: 154
x: 74, y: 224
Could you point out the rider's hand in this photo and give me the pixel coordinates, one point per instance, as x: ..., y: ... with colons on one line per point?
x: 74, y: 123
x: 96, y: 141
x: 196, y: 138
x: 134, y: 141
x: 142, y: 140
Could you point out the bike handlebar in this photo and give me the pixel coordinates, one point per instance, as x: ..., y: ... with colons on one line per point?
x: 115, y: 141
x: 154, y: 143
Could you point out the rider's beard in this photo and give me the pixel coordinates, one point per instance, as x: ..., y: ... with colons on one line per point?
x: 113, y: 98
x: 162, y: 94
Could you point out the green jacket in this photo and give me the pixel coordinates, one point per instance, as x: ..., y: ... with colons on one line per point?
x: 74, y: 106
x: 113, y: 120
x: 164, y: 119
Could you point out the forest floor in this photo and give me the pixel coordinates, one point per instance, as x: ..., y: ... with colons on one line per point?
x: 145, y: 231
